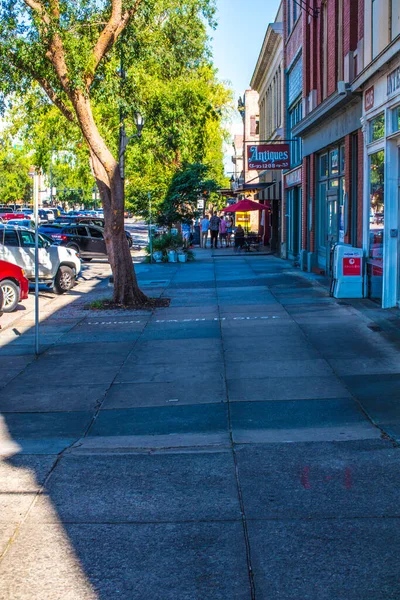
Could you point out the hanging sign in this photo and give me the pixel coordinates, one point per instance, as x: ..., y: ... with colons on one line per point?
x: 243, y: 218
x: 263, y: 157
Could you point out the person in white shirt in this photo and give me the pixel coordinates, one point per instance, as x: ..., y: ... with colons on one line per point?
x: 205, y: 226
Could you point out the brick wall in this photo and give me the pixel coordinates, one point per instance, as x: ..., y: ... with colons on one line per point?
x: 333, y: 32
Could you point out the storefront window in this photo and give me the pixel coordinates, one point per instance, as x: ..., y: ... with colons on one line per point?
x: 323, y: 165
x: 334, y: 183
x: 334, y: 161
x: 377, y: 206
x: 377, y: 128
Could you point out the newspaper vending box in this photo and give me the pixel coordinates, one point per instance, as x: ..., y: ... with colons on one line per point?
x: 347, y: 279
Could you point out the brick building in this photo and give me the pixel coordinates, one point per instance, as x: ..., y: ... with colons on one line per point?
x: 332, y: 33
x: 378, y: 80
x: 267, y: 80
x: 293, y: 89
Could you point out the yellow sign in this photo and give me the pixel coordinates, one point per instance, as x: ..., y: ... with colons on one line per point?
x: 243, y: 218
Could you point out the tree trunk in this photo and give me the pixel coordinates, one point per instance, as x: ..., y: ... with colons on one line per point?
x: 126, y: 289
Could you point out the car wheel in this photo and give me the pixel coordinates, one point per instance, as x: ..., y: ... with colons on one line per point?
x: 10, y: 295
x: 65, y: 280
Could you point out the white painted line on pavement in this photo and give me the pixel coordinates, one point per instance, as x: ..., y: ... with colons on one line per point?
x: 253, y: 318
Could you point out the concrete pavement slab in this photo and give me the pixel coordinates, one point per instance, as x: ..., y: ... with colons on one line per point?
x: 322, y: 560
x: 285, y: 388
x: 178, y: 392
x: 251, y: 352
x: 260, y: 369
x: 88, y: 348
x: 293, y: 414
x: 6, y: 532
x: 49, y: 425
x: 178, y: 351
x: 19, y: 396
x: 188, y: 485
x: 208, y: 372
x: 162, y: 420
x: 366, y: 386
x: 106, y: 561
x: 98, y: 335
x: 21, y: 477
x: 129, y: 443
x: 366, y: 366
x: 334, y: 433
x: 320, y: 480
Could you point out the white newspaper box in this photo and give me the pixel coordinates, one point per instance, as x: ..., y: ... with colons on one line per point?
x: 347, y: 272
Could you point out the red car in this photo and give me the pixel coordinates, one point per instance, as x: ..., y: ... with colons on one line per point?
x: 14, y: 285
x: 11, y: 215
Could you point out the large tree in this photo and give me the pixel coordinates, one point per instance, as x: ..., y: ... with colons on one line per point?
x: 70, y: 49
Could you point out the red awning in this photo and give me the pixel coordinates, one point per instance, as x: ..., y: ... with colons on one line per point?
x: 245, y: 206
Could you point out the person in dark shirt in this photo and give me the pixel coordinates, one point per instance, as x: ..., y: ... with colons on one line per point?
x: 214, y: 230
x: 239, y: 238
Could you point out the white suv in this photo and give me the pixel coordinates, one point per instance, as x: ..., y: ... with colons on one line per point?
x: 58, y: 266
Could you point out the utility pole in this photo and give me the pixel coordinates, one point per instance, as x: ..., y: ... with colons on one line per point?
x: 150, y: 229
x: 36, y: 216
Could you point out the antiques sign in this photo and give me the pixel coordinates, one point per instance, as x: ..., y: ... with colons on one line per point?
x: 265, y: 157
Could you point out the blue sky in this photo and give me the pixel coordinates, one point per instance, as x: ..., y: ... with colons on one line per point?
x: 238, y: 39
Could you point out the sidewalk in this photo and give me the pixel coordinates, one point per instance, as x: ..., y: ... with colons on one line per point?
x: 240, y: 444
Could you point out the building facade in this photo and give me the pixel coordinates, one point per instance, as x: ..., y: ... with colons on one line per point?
x: 293, y: 89
x: 330, y: 129
x: 379, y: 83
x: 267, y: 80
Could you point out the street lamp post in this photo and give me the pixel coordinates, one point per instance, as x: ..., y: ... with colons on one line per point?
x: 125, y: 139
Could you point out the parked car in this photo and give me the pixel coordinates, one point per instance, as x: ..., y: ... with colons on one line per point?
x: 89, y: 220
x: 86, y: 240
x: 8, y: 216
x: 13, y: 285
x: 28, y: 223
x: 58, y: 266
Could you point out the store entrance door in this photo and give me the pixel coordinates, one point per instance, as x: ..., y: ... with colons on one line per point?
x: 332, y: 225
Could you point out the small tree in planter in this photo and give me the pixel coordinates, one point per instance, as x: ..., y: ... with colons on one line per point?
x: 188, y: 185
x: 164, y: 243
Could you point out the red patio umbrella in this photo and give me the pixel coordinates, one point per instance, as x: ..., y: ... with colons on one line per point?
x: 245, y: 206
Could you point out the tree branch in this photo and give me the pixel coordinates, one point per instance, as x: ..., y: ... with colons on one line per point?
x: 115, y: 26
x: 38, y: 8
x: 56, y: 100
x: 44, y: 84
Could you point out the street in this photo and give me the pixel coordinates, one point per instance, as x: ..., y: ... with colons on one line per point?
x: 240, y: 444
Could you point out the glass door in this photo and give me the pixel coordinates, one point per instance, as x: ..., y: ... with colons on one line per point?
x: 376, y: 223
x: 332, y: 225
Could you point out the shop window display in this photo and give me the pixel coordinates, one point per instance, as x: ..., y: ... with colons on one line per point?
x: 377, y: 128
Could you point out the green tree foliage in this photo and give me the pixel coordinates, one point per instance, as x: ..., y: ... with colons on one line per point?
x: 15, y: 183
x: 188, y: 185
x: 85, y: 55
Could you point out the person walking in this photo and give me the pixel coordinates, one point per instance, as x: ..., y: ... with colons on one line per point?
x: 204, y: 226
x: 229, y: 229
x: 239, y: 238
x: 222, y: 231
x: 186, y: 230
x: 214, y: 230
